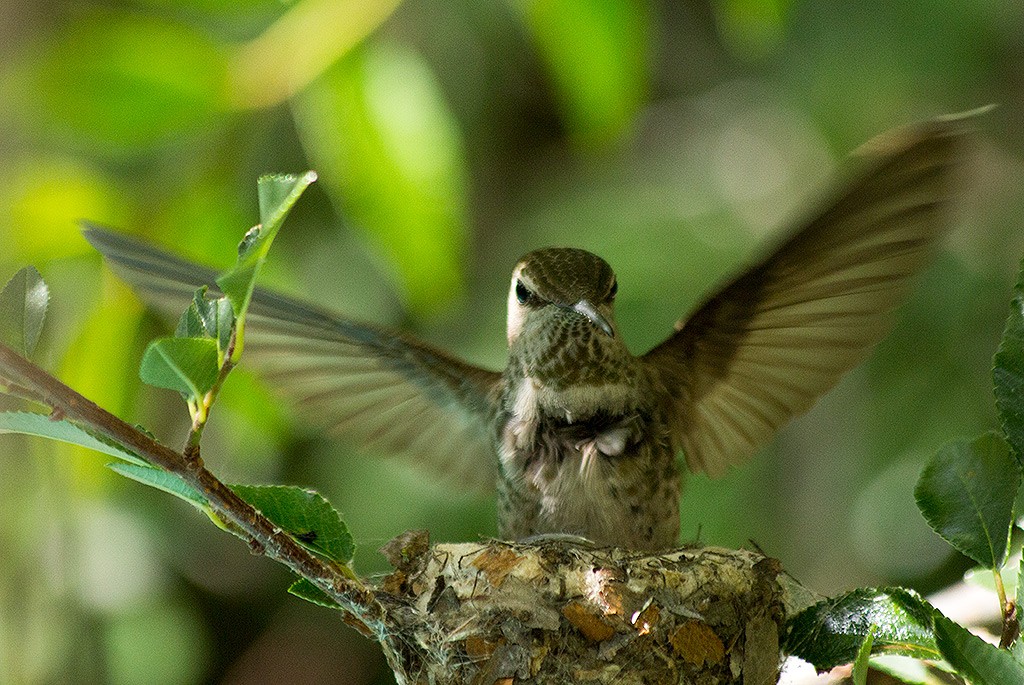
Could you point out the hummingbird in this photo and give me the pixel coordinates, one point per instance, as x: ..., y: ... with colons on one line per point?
x: 579, y: 435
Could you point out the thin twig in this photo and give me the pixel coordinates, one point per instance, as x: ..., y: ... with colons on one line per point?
x: 262, y: 535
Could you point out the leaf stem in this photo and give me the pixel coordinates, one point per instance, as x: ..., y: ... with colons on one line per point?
x: 1009, y: 612
x: 1000, y: 591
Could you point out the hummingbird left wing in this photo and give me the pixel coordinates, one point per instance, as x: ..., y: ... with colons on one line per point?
x: 377, y: 389
x: 768, y: 344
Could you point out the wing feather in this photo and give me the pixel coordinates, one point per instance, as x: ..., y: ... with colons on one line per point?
x: 769, y: 343
x: 381, y: 390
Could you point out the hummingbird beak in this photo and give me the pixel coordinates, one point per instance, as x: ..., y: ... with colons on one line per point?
x: 588, y: 310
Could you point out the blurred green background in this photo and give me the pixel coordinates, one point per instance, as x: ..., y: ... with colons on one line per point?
x: 451, y: 136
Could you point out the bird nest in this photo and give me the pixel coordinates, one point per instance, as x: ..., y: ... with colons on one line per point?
x: 558, y: 612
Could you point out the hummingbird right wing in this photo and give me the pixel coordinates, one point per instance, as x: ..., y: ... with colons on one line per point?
x: 768, y: 344
x: 378, y: 389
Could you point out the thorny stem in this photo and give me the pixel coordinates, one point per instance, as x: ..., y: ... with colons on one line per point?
x: 262, y: 535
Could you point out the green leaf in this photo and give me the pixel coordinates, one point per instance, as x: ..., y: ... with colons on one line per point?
x: 305, y: 515
x: 1020, y: 583
x: 860, y: 664
x: 1008, y: 373
x: 1018, y: 507
x: 277, y: 195
x: 973, y: 658
x: 162, y: 480
x: 1018, y: 645
x: 966, y: 493
x: 62, y: 430
x: 23, y: 304
x: 188, y: 365
x: 237, y: 285
x: 831, y: 632
x: 197, y: 321
x: 208, y: 318
x: 597, y: 53
x: 392, y: 156
x: 225, y: 324
x: 311, y: 593
x: 904, y: 669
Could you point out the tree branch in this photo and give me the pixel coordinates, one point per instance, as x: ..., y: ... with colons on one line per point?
x: 261, y: 534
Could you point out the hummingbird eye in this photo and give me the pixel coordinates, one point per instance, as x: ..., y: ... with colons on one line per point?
x: 614, y: 289
x: 523, y: 294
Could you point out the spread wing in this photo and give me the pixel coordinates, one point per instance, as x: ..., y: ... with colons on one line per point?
x: 377, y: 389
x: 768, y: 344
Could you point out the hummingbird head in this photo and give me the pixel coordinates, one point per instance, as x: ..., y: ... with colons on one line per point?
x: 561, y: 287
